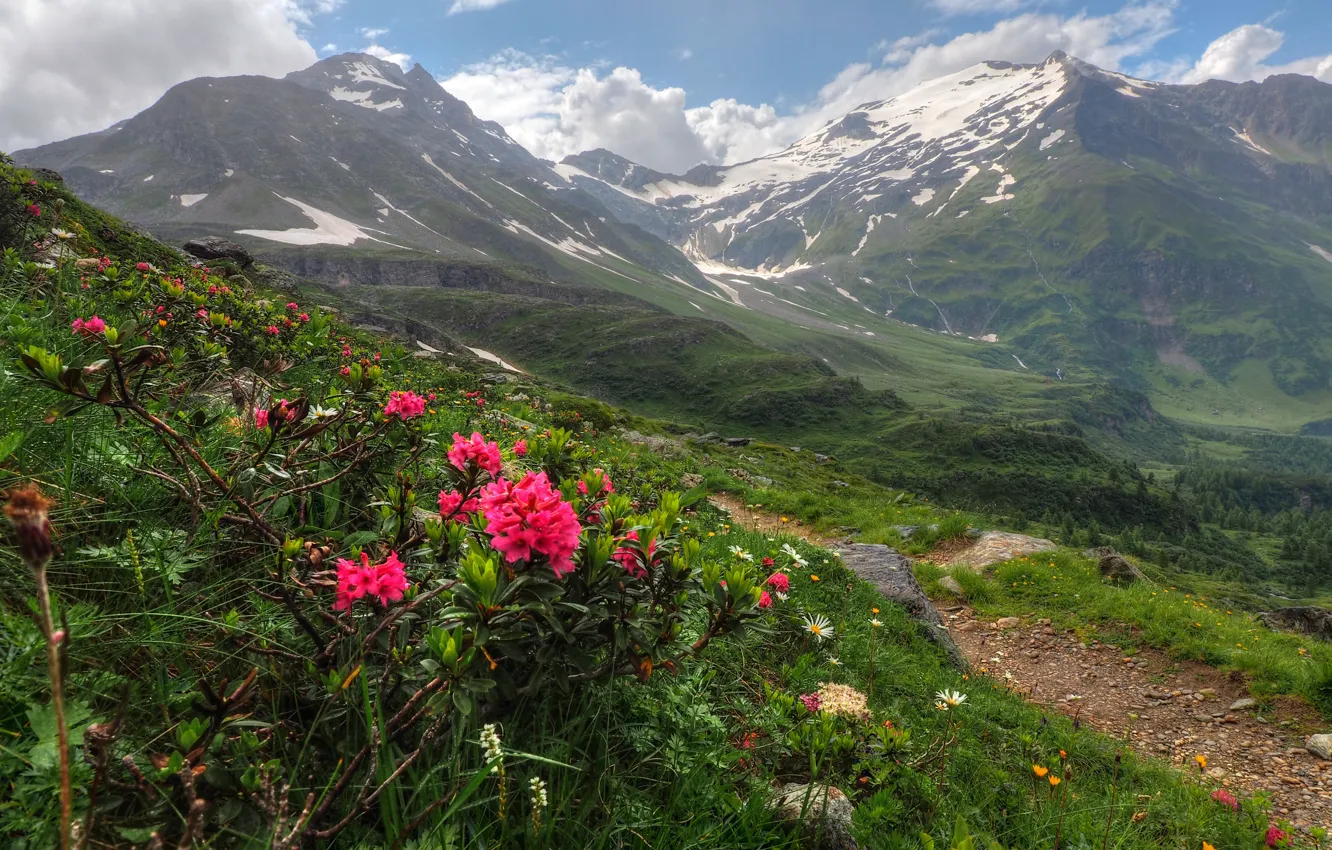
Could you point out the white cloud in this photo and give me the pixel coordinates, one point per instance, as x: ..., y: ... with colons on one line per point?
x: 460, y: 6
x: 372, y: 33
x: 555, y: 110
x: 404, y: 60
x: 683, y: 54
x: 65, y: 68
x: 1238, y: 55
x: 329, y: 48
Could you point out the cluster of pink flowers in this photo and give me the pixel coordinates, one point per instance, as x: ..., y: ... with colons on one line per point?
x: 529, y: 518
x: 765, y: 600
x: 142, y: 267
x: 1275, y: 836
x: 89, y: 327
x: 476, y: 451
x: 628, y: 558
x: 272, y: 329
x: 811, y: 701
x: 262, y: 418
x: 606, y: 487
x: 1226, y: 799
x: 520, y: 448
x: 292, y: 305
x: 387, y: 581
x: 451, y: 503
x: 779, y: 582
x: 34, y: 211
x: 405, y: 405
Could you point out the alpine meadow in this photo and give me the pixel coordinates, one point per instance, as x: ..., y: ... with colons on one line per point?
x: 943, y: 462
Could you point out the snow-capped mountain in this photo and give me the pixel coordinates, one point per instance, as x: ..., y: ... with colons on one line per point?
x: 352, y: 153
x: 1170, y: 234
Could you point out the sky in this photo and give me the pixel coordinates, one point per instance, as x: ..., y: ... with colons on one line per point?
x: 668, y: 83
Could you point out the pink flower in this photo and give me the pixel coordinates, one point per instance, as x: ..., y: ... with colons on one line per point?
x: 1226, y: 798
x: 304, y: 317
x: 202, y: 313
x: 476, y: 450
x: 404, y: 404
x: 520, y: 448
x: 261, y: 418
x: 212, y: 289
x: 629, y: 558
x: 811, y: 701
x: 89, y: 327
x: 779, y: 582
x: 431, y: 397
x: 346, y: 351
x: 292, y: 305
x: 143, y: 267
x: 531, y: 518
x: 451, y: 504
x: 387, y: 581
x: 34, y: 211
x: 765, y: 600
x: 606, y: 486
x: 272, y: 329
x: 1275, y: 835
x: 346, y: 370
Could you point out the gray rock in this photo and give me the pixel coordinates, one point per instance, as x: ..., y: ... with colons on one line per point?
x: 1117, y: 568
x: 763, y: 480
x: 950, y: 584
x: 822, y: 812
x: 1096, y: 553
x: 890, y: 573
x: 995, y: 547
x: 840, y: 484
x: 821, y: 458
x: 1320, y: 745
x: 46, y: 175
x: 217, y: 248
x: 1305, y: 619
x: 738, y: 442
x: 1241, y: 704
x: 906, y: 530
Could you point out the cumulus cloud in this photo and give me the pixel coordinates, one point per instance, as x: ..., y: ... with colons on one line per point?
x: 555, y: 110
x: 149, y: 45
x: 460, y: 6
x: 1238, y: 56
x: 403, y: 60
x: 977, y: 7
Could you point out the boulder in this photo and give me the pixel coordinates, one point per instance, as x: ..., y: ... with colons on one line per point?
x: 1117, y: 568
x: 822, y: 812
x: 217, y: 248
x: 1320, y: 745
x: 738, y: 442
x: 47, y: 175
x: 891, y: 574
x: 1305, y: 619
x: 950, y: 584
x: 995, y: 547
x: 1242, y: 704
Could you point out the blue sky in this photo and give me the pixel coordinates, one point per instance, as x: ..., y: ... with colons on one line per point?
x: 668, y: 83
x: 756, y: 51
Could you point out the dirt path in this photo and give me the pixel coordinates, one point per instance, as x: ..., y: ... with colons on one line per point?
x: 1170, y: 709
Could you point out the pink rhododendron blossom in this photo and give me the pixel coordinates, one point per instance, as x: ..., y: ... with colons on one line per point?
x: 529, y: 518
x: 1226, y: 799
x: 779, y: 582
x: 520, y: 448
x: 89, y: 327
x: 304, y: 317
x: 34, y: 211
x: 386, y: 581
x: 260, y: 418
x: 431, y: 397
x: 629, y: 559
x: 476, y: 450
x: 292, y: 305
x: 143, y: 267
x: 346, y: 351
x: 202, y: 313
x: 765, y: 600
x: 272, y: 329
x: 345, y: 370
x: 606, y: 486
x: 451, y: 504
x: 1275, y: 835
x: 811, y: 701
x: 404, y: 404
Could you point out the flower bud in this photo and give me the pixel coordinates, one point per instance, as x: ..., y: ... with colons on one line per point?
x: 29, y: 511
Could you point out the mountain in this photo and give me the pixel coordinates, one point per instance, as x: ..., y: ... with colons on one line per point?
x: 353, y: 152
x: 1175, y: 238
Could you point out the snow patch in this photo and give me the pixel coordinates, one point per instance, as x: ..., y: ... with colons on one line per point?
x: 1051, y: 139
x: 362, y: 72
x: 191, y: 200
x: 364, y: 98
x: 343, y: 165
x: 1242, y: 136
x: 842, y: 292
x: 107, y: 171
x: 228, y: 172
x: 1326, y: 255
x: 869, y: 228
x: 148, y: 179
x: 964, y: 214
x: 923, y: 197
x: 328, y: 229
x: 491, y: 358
x: 455, y: 181
x: 294, y: 139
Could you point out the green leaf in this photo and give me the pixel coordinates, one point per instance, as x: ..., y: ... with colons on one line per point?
x: 10, y: 443
x: 42, y: 719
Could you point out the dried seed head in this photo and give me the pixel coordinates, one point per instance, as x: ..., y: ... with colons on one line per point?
x: 29, y: 511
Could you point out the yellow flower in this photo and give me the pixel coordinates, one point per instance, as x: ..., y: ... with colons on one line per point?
x: 1201, y: 760
x: 1207, y: 846
x: 813, y: 578
x: 874, y: 610
x: 1054, y: 780
x: 1040, y: 771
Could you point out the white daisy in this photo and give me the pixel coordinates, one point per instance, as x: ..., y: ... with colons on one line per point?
x: 819, y: 626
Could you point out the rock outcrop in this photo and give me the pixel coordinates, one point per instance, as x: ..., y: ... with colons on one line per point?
x: 217, y: 248
x: 995, y: 547
x: 822, y: 812
x: 1117, y: 568
x: 891, y: 574
x: 1305, y: 619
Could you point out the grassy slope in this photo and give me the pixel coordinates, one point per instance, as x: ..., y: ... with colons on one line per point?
x: 637, y: 766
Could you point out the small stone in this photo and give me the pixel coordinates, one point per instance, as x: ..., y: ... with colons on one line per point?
x: 1007, y: 623
x: 951, y: 585
x: 1242, y: 704
x: 1320, y: 745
